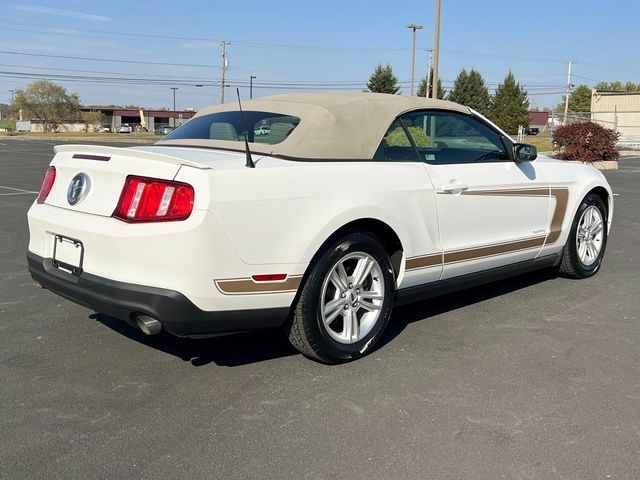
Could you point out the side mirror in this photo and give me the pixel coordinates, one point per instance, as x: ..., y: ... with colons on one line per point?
x: 523, y: 152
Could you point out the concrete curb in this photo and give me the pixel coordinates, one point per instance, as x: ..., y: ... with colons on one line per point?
x: 603, y: 165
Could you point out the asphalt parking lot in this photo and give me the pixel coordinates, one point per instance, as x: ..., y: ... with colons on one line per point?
x: 536, y: 377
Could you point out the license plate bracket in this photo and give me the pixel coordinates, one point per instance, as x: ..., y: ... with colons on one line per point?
x: 68, y: 254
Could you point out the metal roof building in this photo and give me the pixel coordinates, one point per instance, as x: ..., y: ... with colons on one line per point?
x: 617, y: 110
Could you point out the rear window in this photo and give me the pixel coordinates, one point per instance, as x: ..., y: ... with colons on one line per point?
x: 262, y: 127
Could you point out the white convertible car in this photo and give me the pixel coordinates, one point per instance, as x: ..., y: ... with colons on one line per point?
x: 344, y: 206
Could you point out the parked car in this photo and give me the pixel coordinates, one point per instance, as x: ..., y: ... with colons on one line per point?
x: 125, y: 128
x: 532, y: 131
x: 160, y: 128
x: 166, y: 130
x: 357, y: 202
x: 262, y: 131
x: 105, y: 128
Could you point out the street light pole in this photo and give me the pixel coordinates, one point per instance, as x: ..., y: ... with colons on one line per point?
x: 436, y: 52
x: 251, y: 77
x: 12, y: 94
x: 413, y: 27
x: 174, y: 105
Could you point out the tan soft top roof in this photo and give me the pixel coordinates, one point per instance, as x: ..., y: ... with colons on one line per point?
x: 332, y: 125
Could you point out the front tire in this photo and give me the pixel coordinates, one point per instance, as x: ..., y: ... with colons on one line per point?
x: 583, y: 252
x: 345, y: 302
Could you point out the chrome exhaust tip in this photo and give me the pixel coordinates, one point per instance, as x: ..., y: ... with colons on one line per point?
x: 148, y: 325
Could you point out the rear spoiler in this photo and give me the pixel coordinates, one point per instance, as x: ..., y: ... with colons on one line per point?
x: 127, y: 152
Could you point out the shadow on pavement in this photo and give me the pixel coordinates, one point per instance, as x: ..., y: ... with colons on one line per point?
x: 229, y: 350
x: 403, y: 316
x: 252, y: 347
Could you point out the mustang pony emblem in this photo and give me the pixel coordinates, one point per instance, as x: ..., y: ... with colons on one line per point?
x: 78, y: 188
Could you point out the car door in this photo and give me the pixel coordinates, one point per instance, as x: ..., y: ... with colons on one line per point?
x: 492, y: 211
x: 424, y: 255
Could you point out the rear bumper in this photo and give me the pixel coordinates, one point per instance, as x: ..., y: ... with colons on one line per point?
x: 177, y: 314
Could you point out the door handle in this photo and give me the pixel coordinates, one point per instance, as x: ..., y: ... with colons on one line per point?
x: 454, y: 187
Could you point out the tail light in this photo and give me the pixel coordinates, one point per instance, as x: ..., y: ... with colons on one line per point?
x: 154, y: 200
x: 47, y: 184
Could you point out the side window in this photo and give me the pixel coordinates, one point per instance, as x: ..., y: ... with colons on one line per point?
x: 448, y: 137
x: 395, y: 145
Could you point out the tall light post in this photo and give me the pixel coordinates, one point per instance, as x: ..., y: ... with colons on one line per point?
x: 12, y: 95
x: 414, y: 27
x: 251, y: 77
x: 436, y: 52
x: 174, y: 105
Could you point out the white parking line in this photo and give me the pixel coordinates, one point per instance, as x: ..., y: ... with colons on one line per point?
x: 18, y: 193
x: 21, y: 190
x: 27, y: 151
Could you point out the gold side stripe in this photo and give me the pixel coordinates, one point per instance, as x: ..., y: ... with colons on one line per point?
x: 416, y: 263
x: 562, y: 199
x: 246, y: 286
x: 524, y: 192
x: 423, y: 262
x: 491, y: 250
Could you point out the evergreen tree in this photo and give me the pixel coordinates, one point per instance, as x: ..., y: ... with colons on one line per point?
x: 382, y: 80
x: 618, y: 86
x: 510, y: 105
x: 422, y: 88
x: 470, y: 90
x: 579, y: 100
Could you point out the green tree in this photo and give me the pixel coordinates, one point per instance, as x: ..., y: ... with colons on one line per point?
x: 422, y: 88
x: 47, y: 102
x: 6, y: 122
x: 579, y: 100
x: 382, y: 80
x: 470, y: 90
x: 93, y: 120
x: 510, y: 106
x: 5, y: 110
x: 618, y: 86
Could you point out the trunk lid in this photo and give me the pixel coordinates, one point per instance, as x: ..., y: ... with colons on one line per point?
x: 105, y: 170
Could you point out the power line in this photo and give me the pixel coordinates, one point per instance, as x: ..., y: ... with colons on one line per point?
x: 113, y: 60
x: 241, y: 43
x: 30, y: 67
x: 172, y: 80
x: 505, y: 57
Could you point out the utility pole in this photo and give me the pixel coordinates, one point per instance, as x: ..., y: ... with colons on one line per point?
x: 225, y: 65
x: 569, y: 88
x: 428, y: 92
x: 414, y: 27
x: 436, y: 54
x: 12, y: 95
x: 174, y: 105
x: 251, y: 77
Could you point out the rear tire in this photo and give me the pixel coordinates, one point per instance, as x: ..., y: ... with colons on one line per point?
x: 583, y: 252
x: 345, y: 302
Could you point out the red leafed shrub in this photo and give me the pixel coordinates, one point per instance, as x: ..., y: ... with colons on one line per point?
x: 586, y: 142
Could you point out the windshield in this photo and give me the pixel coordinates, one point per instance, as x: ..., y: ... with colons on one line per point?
x: 262, y: 127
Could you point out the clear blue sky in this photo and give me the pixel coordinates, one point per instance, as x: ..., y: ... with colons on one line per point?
x: 304, y: 41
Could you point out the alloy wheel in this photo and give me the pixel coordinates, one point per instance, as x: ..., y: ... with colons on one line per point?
x: 590, y: 235
x: 352, y: 296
